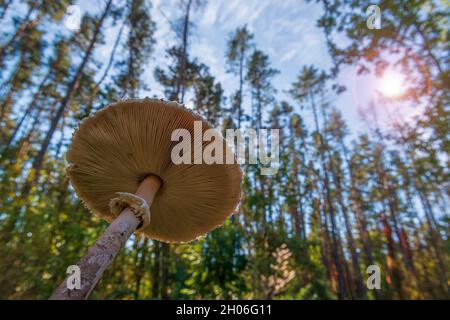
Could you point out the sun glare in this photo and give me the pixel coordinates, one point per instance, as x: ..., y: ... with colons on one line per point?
x: 391, y: 84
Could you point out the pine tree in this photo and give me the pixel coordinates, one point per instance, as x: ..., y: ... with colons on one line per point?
x: 259, y: 76
x: 138, y: 48
x: 238, y: 45
x: 310, y: 83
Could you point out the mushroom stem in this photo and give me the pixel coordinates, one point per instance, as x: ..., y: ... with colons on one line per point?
x: 102, y: 253
x: 148, y: 188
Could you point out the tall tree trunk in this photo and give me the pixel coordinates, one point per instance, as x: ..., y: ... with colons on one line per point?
x: 394, y: 275
x: 165, y: 271
x: 7, y: 101
x: 181, y: 85
x: 390, y: 196
x: 436, y: 242
x: 358, y: 282
x: 27, y: 111
x: 5, y: 8
x: 361, y: 221
x: 330, y: 207
x: 24, y: 26
x: 70, y: 90
x: 156, y: 269
x: 106, y: 72
x: 140, y: 262
x: 241, y: 86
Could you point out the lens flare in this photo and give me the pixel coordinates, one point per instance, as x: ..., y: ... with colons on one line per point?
x: 392, y: 84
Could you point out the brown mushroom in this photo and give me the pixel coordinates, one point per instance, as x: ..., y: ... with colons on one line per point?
x: 122, y: 169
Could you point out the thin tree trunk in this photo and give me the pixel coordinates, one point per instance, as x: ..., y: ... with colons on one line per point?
x: 389, y: 195
x: 241, y: 85
x: 394, y: 275
x: 61, y: 140
x: 106, y: 72
x: 140, y: 266
x: 9, y: 95
x: 156, y: 269
x: 165, y: 271
x: 436, y: 242
x: 5, y: 8
x: 327, y: 255
x: 350, y: 240
x: 181, y: 84
x: 326, y: 182
x: 26, y: 112
x: 361, y: 221
x: 24, y: 26
x: 70, y: 90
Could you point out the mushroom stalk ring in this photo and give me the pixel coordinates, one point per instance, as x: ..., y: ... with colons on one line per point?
x: 134, y: 214
x: 139, y: 203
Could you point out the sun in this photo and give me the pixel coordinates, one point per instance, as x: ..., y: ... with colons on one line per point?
x: 392, y: 84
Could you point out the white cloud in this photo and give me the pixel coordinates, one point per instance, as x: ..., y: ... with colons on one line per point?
x: 209, y: 14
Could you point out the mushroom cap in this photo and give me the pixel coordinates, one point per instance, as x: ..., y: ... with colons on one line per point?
x: 115, y: 149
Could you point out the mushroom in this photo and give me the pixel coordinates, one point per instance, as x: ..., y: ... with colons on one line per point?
x: 121, y: 168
